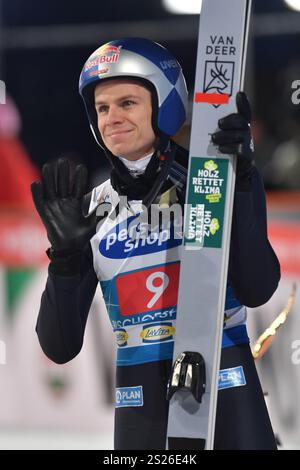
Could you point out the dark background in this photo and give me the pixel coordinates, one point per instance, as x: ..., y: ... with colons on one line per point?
x: 41, y: 59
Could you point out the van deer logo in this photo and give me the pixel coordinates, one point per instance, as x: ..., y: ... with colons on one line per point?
x: 218, y: 77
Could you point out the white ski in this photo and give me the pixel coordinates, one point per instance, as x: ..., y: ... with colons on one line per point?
x: 193, y: 386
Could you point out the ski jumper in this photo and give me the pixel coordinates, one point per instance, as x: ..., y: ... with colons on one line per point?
x: 138, y: 271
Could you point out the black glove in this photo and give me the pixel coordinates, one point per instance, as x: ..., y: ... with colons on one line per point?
x: 235, y: 138
x: 59, y: 204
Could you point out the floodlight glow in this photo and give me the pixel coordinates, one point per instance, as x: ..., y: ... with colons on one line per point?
x: 183, y: 7
x: 293, y: 4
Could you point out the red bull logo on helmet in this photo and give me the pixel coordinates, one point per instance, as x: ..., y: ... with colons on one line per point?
x: 93, y: 73
x: 103, y: 55
x: 106, y: 48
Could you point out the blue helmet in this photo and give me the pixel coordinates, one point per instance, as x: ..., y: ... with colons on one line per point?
x: 141, y: 59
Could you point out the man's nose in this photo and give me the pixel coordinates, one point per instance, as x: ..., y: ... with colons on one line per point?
x: 114, y: 115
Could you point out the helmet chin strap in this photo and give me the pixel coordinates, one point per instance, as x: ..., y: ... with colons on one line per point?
x: 167, y: 159
x: 145, y: 187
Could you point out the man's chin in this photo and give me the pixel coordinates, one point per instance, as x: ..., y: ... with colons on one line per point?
x: 126, y: 152
x: 121, y: 151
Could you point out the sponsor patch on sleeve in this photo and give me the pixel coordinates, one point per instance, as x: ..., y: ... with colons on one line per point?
x: 129, y: 396
x: 233, y: 377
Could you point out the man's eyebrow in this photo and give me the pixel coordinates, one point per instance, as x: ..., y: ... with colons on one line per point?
x: 122, y: 98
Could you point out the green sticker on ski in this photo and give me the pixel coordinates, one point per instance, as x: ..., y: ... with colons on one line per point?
x: 206, y: 203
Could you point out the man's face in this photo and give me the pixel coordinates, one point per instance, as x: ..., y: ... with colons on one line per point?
x: 124, y: 111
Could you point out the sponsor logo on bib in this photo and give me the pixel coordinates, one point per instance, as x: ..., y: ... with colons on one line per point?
x: 121, y: 337
x: 127, y: 239
x: 157, y: 333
